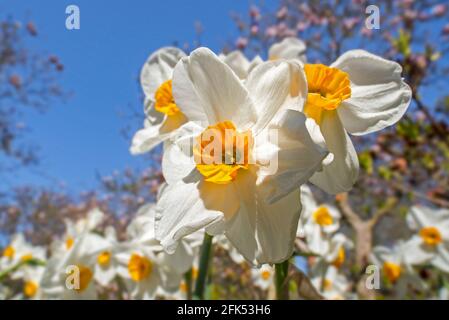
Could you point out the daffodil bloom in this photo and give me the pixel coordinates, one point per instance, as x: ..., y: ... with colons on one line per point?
x: 71, y: 275
x: 106, y: 263
x: 17, y: 251
x: 396, y: 265
x: 75, y: 230
x: 172, y: 266
x: 139, y: 267
x: 262, y: 277
x: 162, y: 113
x: 32, y: 283
x: 251, y: 190
x: 432, y: 235
x: 360, y: 93
x: 317, y: 222
x: 332, y: 284
x: 290, y: 49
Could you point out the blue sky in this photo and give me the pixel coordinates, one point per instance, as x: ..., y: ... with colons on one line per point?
x: 102, y: 61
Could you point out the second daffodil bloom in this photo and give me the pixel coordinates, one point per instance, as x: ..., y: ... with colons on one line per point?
x: 396, y: 264
x: 262, y: 277
x: 360, y: 93
x: 163, y: 115
x: 432, y: 227
x: 251, y: 190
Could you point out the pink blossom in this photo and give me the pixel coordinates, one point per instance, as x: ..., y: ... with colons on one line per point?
x: 271, y: 31
x: 241, y: 43
x: 439, y: 10
x: 16, y: 81
x: 254, y: 13
x: 282, y: 13
x: 254, y: 30
x: 445, y: 30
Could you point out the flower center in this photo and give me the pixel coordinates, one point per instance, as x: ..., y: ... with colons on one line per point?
x: 221, y: 151
x: 165, y: 102
x: 265, y: 275
x: 183, y: 287
x: 30, y: 289
x: 340, y: 258
x: 27, y: 257
x: 328, y: 87
x: 431, y: 236
x: 327, y: 284
x: 392, y: 271
x: 323, y: 217
x: 85, y: 276
x: 69, y: 243
x: 9, y: 252
x: 104, y: 258
x: 139, y: 267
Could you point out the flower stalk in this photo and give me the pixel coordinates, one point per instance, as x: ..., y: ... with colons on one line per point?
x: 200, y: 285
x: 281, y: 272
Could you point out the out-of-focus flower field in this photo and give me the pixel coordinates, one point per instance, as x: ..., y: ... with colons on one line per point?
x: 356, y: 207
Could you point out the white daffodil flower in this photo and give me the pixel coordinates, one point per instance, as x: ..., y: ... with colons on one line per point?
x: 17, y: 251
x: 32, y: 283
x: 396, y: 264
x: 432, y: 226
x: 162, y: 114
x: 106, y: 262
x: 262, y: 277
x: 75, y: 230
x: 139, y: 267
x: 317, y: 222
x: 71, y: 276
x: 290, y: 49
x: 142, y: 230
x: 359, y: 93
x: 332, y: 285
x: 241, y: 66
x: 256, y: 203
x: 331, y: 250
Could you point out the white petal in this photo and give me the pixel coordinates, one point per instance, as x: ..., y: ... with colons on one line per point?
x: 289, y: 48
x: 159, y: 68
x: 208, y: 91
x: 149, y: 137
x: 177, y: 160
x: 237, y: 61
x: 293, y: 158
x: 341, y: 174
x: 379, y: 96
x: 187, y: 207
x: 274, y: 86
x: 262, y: 232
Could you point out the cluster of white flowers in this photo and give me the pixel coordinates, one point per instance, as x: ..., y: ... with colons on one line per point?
x: 84, y: 260
x: 240, y: 140
x: 292, y: 121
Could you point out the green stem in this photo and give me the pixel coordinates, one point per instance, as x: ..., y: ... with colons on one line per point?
x: 281, y: 272
x: 32, y: 262
x: 188, y: 281
x: 200, y: 285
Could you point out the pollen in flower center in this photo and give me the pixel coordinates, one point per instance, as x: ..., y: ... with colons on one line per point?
x: 139, y: 267
x: 165, y: 102
x: 30, y: 289
x: 431, y: 236
x: 85, y: 276
x: 328, y: 87
x: 265, y: 275
x: 323, y: 217
x: 9, y: 252
x: 104, y: 258
x: 392, y: 271
x: 340, y: 259
x: 220, y: 152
